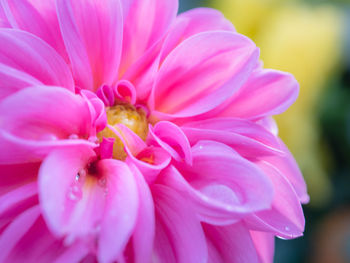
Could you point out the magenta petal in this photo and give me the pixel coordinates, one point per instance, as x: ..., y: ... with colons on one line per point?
x: 92, y: 33
x: 231, y: 185
x: 289, y: 168
x: 37, y: 18
x: 39, y: 113
x: 16, y: 230
x: 172, y: 139
x: 231, y: 243
x: 179, y: 236
x: 285, y: 218
x: 264, y: 244
x: 193, y: 22
x: 58, y: 197
x: 14, y: 176
x: 149, y: 160
x: 208, y: 75
x: 266, y: 93
x: 139, y: 36
x: 75, y: 253
x: 120, y: 213
x: 143, y: 235
x: 246, y: 137
x: 24, y: 150
x: 36, y: 60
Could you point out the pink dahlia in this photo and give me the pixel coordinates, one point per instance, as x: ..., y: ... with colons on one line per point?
x: 131, y: 134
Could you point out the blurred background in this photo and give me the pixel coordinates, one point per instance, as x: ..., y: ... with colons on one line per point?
x: 310, y: 39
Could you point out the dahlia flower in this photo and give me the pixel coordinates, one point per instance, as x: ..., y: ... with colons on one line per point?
x: 132, y: 134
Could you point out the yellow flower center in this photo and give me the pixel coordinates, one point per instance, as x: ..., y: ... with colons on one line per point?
x: 134, y: 119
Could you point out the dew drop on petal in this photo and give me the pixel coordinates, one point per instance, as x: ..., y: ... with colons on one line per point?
x: 102, y: 182
x: 74, y: 193
x: 287, y: 228
x: 73, y: 137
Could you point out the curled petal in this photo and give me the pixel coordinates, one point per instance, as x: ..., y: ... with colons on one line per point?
x: 172, y: 139
x: 285, y: 217
x: 220, y: 183
x: 149, y: 160
x: 288, y: 167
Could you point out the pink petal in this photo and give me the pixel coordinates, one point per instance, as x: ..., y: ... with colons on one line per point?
x: 285, y: 218
x: 16, y: 202
x: 143, y: 235
x: 264, y: 244
x: 13, y: 80
x: 139, y: 36
x: 16, y: 230
x: 32, y: 150
x: 233, y: 243
x: 92, y: 34
x: 171, y: 138
x: 37, y: 18
x: 149, y: 160
x: 58, y: 191
x: 36, y: 113
x: 223, y: 186
x: 288, y: 167
x: 193, y: 22
x: 245, y: 137
x: 45, y: 248
x: 208, y: 75
x: 27, y: 60
x: 267, y: 92
x: 120, y: 213
x: 74, y: 253
x: 179, y: 236
x: 37, y: 117
x: 14, y: 176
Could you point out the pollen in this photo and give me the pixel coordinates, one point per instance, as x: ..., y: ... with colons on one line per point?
x: 134, y: 119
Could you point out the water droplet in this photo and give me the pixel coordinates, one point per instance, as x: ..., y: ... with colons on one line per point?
x: 75, y: 193
x: 105, y: 192
x: 287, y: 228
x: 102, y: 182
x: 200, y: 147
x: 73, y: 137
x: 93, y: 139
x: 77, y: 177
